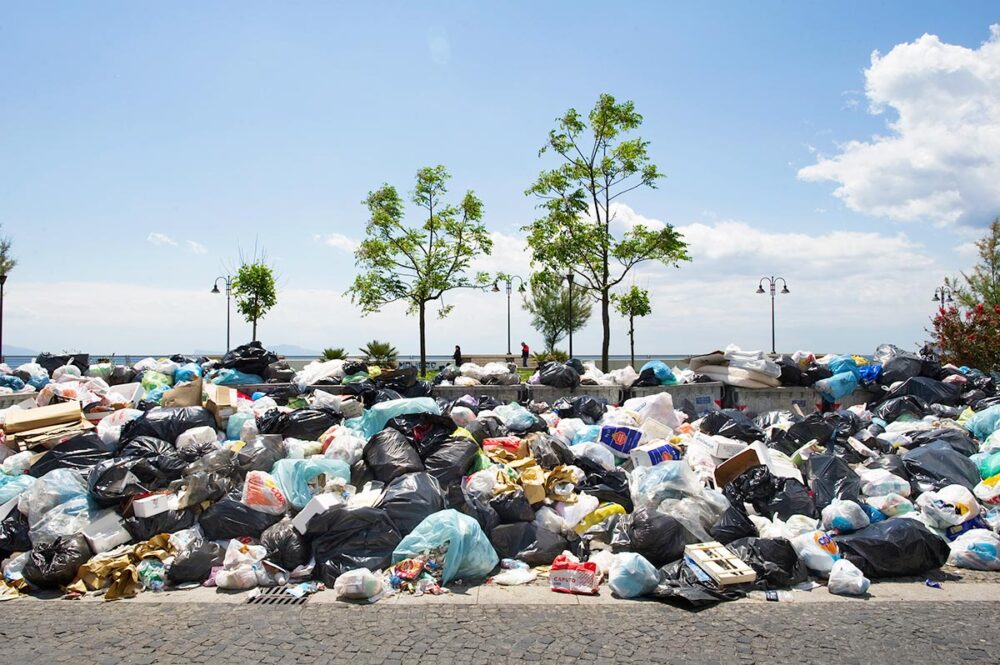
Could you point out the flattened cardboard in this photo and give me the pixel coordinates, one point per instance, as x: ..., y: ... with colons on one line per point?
x: 44, y: 416
x: 183, y: 394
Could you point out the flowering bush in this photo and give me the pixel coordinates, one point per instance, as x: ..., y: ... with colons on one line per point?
x: 970, y: 337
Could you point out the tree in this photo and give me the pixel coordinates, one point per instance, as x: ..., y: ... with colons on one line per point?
x: 633, y: 303
x: 254, y: 291
x: 418, y: 265
x: 7, y: 261
x: 379, y: 353
x: 598, y: 165
x: 549, y: 306
x: 334, y: 353
x: 983, y: 285
x: 970, y: 338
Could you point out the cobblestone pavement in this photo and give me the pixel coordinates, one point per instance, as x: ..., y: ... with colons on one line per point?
x: 635, y: 633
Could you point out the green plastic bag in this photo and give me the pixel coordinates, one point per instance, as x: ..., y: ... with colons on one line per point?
x: 152, y: 380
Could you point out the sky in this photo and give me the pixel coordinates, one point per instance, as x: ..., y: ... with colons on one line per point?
x: 852, y: 148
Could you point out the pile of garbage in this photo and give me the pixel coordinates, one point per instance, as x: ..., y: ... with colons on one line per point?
x: 116, y: 483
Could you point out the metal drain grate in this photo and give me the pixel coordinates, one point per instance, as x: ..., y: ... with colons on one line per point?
x: 277, y: 595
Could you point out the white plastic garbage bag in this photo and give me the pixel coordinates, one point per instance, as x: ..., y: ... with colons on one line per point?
x: 632, y: 575
x: 846, y: 579
x: 879, y: 482
x: 949, y: 506
x: 358, y: 584
x: 817, y: 551
x: 976, y: 549
x: 844, y: 516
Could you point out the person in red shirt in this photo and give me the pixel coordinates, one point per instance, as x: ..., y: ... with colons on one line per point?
x: 524, y: 354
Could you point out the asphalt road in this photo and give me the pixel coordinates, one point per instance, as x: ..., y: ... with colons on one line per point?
x: 47, y: 632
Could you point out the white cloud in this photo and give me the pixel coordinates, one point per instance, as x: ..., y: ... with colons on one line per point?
x: 160, y: 239
x: 940, y: 160
x: 196, y: 247
x: 337, y: 241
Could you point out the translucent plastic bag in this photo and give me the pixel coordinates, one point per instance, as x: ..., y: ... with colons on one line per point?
x: 317, y: 371
x: 343, y: 443
x: 667, y: 480
x: 109, y: 429
x: 54, y: 488
x: 846, y: 579
x: 596, y: 453
x: 988, y: 491
x: 632, y: 575
x: 891, y: 505
x: 64, y: 520
x: 949, y: 506
x: 515, y: 416
x: 197, y: 436
x: 16, y: 464
x: 470, y: 554
x: 358, y: 584
x: 983, y: 423
x: 298, y: 478
x: 879, y: 482
x: 817, y: 551
x: 12, y: 486
x: 261, y: 492
x: 844, y: 516
x: 374, y: 419
x: 976, y: 549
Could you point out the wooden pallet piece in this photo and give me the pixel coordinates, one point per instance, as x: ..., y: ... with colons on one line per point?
x: 720, y: 563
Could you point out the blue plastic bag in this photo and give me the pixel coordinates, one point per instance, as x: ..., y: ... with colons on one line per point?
x: 187, y: 372
x: 470, y: 554
x: 235, y: 425
x: 632, y: 575
x: 12, y: 382
x: 587, y: 433
x: 156, y: 394
x: 293, y: 476
x: 661, y: 372
x: 515, y: 416
x: 869, y: 373
x: 11, y: 486
x: 837, y: 386
x: 984, y: 423
x: 375, y: 418
x: 842, y: 364
x: 234, y: 377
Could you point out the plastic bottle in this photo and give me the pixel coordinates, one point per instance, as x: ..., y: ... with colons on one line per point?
x: 772, y: 595
x: 513, y: 564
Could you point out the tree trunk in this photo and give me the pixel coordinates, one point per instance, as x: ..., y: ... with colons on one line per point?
x: 606, y: 324
x: 423, y: 341
x: 254, y: 330
x: 631, y: 340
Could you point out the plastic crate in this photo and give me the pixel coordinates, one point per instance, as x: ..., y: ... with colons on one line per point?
x: 761, y: 400
x: 613, y: 394
x: 704, y: 396
x: 10, y: 399
x: 503, y: 394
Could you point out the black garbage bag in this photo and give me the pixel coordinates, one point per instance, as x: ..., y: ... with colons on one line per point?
x: 814, y: 373
x: 355, y: 366
x: 831, y: 478
x: 772, y: 418
x: 680, y: 585
x: 419, y: 389
x: 195, y: 561
x: 475, y: 507
x: 487, y: 427
x: 891, y: 462
x: 399, y: 379
x: 647, y: 378
x: 196, y: 451
x: 53, y: 362
x: 231, y: 518
x: 953, y: 412
x: 364, y: 391
x: 425, y: 431
x: 449, y: 462
x: 896, y: 547
x: 558, y: 375
x: 222, y: 462
x: 120, y: 375
x: 791, y: 498
x: 549, y: 451
x: 891, y: 409
x: 732, y: 424
x: 527, y: 542
x: 928, y: 390
x: 607, y: 485
x: 162, y: 455
x: 170, y: 521
x: 250, y: 358
x: 347, y: 538
x: 83, y: 451
x: 410, y: 498
x: 389, y: 455
x: 900, y: 368
x: 814, y: 427
x: 260, y: 454
x: 14, y: 534
x: 586, y: 408
x: 733, y: 525
x: 791, y: 374
x: 658, y: 537
x: 114, y: 480
x: 54, y: 565
x: 278, y: 372
x: 936, y: 465
x: 285, y: 546
x: 958, y: 439
x: 773, y: 559
x: 201, y: 486
x: 305, y: 424
x: 385, y: 395
x: 512, y: 507
x: 756, y: 486
x: 167, y: 423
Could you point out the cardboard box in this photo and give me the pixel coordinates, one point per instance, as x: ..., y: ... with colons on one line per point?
x: 651, y: 454
x: 221, y: 401
x: 44, y: 416
x: 106, y: 533
x: 718, y: 447
x: 318, y: 504
x: 154, y: 504
x: 735, y: 465
x: 187, y: 393
x: 620, y: 440
x: 47, y: 437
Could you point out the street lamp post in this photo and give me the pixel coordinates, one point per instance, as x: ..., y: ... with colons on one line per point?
x: 570, y: 277
x: 943, y: 295
x: 229, y: 290
x: 772, y: 284
x: 3, y: 280
x: 508, y: 281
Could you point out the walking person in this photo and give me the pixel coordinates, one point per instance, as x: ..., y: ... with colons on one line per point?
x: 458, y: 356
x: 524, y: 354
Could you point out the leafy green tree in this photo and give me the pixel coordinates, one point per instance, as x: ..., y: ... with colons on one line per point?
x: 597, y: 165
x: 633, y: 303
x: 7, y: 261
x: 255, y: 291
x: 549, y: 306
x: 983, y: 285
x: 418, y: 265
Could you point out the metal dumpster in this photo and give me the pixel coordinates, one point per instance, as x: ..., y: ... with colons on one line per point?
x: 612, y: 394
x: 759, y: 400
x: 702, y: 395
x: 503, y: 394
x: 11, y: 399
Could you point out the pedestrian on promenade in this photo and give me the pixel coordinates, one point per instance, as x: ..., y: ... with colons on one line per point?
x: 524, y: 354
x: 458, y: 356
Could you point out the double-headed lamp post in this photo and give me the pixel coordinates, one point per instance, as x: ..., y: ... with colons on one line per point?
x: 3, y: 280
x: 772, y: 283
x: 943, y: 296
x: 508, y: 281
x: 570, y: 277
x: 228, y: 280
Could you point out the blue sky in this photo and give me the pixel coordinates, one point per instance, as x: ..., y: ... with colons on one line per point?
x: 143, y: 145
